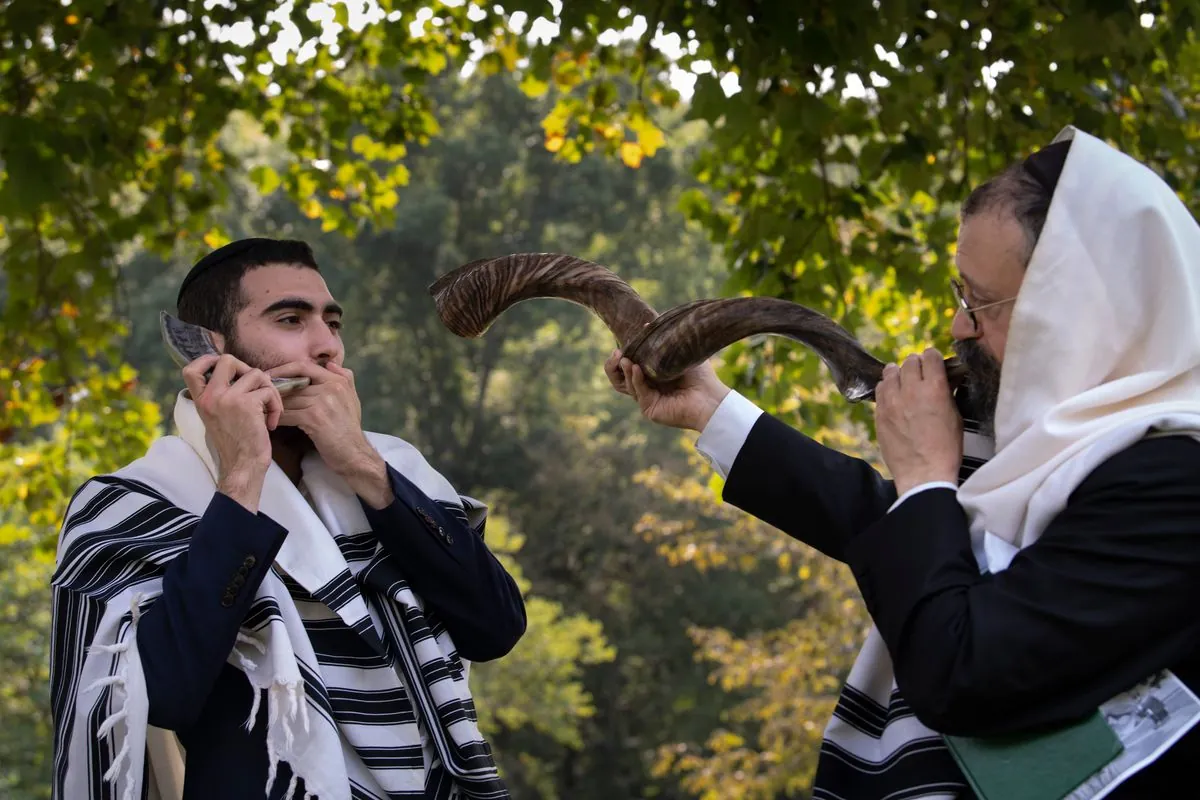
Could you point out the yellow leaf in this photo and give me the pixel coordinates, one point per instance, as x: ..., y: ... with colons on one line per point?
x: 72, y: 19
x: 533, y: 87
x: 649, y: 137
x: 612, y: 131
x: 313, y: 208
x: 631, y: 154
x: 23, y: 491
x: 930, y: 159
x: 556, y: 121
x: 69, y: 310
x: 555, y: 142
x: 805, y: 572
x: 508, y: 52
x: 337, y: 194
x: 214, y: 238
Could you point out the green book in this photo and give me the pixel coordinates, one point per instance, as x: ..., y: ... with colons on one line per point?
x: 1045, y: 766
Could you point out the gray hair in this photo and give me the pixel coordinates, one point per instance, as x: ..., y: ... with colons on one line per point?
x: 1016, y: 192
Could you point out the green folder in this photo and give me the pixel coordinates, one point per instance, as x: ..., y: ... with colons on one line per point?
x: 1045, y: 766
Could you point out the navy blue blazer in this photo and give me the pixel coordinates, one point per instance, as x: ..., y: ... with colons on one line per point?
x: 187, y: 634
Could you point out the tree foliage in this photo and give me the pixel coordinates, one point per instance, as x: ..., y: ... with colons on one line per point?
x: 787, y: 678
x: 832, y: 175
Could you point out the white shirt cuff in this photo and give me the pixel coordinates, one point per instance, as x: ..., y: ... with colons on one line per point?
x: 726, y: 432
x: 920, y: 488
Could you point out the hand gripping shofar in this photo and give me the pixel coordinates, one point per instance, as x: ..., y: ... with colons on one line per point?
x: 469, y: 299
x: 186, y: 342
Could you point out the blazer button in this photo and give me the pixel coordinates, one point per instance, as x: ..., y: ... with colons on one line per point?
x: 446, y: 535
x: 249, y: 562
x: 227, y: 600
x: 237, y: 582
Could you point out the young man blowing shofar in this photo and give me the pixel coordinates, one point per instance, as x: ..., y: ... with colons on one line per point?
x: 297, y: 600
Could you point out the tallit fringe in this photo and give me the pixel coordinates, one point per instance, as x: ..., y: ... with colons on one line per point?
x: 247, y: 666
x: 285, y: 707
x: 119, y: 679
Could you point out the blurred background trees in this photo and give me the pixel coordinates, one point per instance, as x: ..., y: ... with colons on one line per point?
x: 676, y: 648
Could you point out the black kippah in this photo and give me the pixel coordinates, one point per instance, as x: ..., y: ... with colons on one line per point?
x: 1046, y: 165
x: 214, y: 258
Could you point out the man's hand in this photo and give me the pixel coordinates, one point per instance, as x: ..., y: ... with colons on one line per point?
x: 917, y: 425
x: 329, y: 411
x: 689, y: 406
x: 239, y: 406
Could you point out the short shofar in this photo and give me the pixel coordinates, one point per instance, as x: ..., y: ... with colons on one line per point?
x: 470, y: 298
x: 186, y: 342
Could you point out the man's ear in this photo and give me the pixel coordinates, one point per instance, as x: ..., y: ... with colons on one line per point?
x: 218, y: 341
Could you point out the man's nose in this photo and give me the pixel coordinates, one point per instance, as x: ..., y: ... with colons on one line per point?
x: 962, y: 328
x: 326, y: 346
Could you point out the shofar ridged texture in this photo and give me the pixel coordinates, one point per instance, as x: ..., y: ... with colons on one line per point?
x: 691, y: 333
x: 470, y: 298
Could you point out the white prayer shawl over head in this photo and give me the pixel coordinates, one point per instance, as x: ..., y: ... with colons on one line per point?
x: 1103, y: 350
x: 276, y: 655
x: 1103, y: 345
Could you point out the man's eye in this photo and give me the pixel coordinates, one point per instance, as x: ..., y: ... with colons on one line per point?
x: 336, y: 324
x: 291, y: 319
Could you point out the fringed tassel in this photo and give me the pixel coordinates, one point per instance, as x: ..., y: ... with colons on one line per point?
x: 280, y: 720
x: 250, y: 640
x: 249, y: 666
x: 118, y: 679
x: 291, y: 790
x: 255, y: 706
x: 243, y: 660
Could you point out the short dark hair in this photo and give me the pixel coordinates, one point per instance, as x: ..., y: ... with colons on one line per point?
x: 1018, y: 193
x: 212, y: 294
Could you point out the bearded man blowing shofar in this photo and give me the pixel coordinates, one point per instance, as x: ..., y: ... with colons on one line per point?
x: 292, y: 600
x: 1014, y: 592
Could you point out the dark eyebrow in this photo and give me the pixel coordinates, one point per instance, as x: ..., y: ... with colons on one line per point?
x: 300, y: 304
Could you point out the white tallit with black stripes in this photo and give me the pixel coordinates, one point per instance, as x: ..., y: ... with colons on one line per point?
x: 874, y: 747
x: 1103, y: 350
x: 324, y: 704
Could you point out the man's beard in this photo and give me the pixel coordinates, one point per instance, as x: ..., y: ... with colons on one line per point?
x: 983, y: 382
x: 285, y: 437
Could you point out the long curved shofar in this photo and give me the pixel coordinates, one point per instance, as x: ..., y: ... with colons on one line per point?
x: 693, y: 332
x: 470, y: 298
x: 186, y: 342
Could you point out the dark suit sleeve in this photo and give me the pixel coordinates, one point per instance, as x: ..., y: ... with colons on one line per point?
x: 810, y: 492
x: 187, y: 633
x: 454, y: 572
x: 1105, y: 598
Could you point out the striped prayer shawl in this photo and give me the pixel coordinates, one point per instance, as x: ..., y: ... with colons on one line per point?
x: 366, y: 694
x: 874, y: 746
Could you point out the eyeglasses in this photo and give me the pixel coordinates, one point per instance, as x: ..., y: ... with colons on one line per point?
x: 960, y: 293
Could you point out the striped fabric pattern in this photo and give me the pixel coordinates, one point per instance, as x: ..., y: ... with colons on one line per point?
x: 874, y: 747
x: 366, y: 696
x: 392, y: 755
